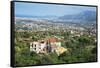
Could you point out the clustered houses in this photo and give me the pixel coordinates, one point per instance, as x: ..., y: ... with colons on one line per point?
x: 46, y: 46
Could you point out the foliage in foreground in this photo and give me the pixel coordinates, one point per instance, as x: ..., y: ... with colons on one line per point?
x: 80, y: 49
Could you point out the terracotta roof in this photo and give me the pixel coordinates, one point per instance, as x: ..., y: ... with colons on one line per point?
x: 52, y: 39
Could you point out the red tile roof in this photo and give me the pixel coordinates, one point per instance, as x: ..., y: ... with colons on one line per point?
x: 52, y: 39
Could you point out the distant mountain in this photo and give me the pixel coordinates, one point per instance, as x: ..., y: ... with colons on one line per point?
x: 83, y: 16
x: 27, y: 16
x: 42, y: 17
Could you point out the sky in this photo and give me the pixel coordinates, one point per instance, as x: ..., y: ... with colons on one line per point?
x: 38, y: 9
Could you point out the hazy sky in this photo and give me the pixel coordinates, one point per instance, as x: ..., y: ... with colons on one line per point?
x: 37, y: 9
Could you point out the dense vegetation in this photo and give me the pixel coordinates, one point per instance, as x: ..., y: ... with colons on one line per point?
x: 80, y: 49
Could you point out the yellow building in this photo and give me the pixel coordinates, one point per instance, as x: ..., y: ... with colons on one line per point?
x: 60, y: 50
